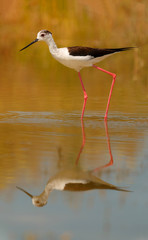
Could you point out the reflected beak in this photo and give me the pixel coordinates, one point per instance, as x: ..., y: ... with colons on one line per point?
x: 24, y: 191
x: 36, y: 40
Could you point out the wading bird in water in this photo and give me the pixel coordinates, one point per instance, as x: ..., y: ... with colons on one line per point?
x: 77, y: 58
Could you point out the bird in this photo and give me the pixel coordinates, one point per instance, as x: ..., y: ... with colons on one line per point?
x: 75, y: 179
x: 78, y: 57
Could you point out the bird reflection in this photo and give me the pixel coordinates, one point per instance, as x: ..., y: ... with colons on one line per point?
x: 75, y: 179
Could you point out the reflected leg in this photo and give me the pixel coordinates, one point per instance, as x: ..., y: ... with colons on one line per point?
x: 109, y: 149
x: 111, y: 89
x: 85, y: 95
x: 83, y: 142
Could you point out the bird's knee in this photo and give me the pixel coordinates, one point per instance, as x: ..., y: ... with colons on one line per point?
x: 85, y: 95
x: 114, y: 75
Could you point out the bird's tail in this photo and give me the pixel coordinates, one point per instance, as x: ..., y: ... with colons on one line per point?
x: 122, y: 189
x: 114, y: 50
x: 125, y: 49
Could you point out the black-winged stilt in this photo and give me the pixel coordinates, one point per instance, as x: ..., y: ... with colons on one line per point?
x: 78, y: 58
x: 74, y: 179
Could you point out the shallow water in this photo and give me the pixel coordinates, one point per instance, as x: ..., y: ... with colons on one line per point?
x: 44, y: 143
x: 37, y: 146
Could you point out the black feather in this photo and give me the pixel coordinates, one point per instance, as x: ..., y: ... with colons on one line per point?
x: 94, y: 52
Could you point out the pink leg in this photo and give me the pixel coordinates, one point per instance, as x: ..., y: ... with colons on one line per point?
x: 111, y: 89
x: 109, y: 148
x: 83, y: 141
x: 85, y: 95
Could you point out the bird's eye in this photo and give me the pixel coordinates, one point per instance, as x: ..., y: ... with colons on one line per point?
x: 42, y: 35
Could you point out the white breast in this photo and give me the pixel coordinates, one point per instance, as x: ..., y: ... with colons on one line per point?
x: 59, y: 184
x: 75, y: 62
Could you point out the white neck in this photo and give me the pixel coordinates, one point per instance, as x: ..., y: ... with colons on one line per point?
x: 51, y: 44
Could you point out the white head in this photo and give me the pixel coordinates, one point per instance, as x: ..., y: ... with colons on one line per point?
x: 38, y: 201
x: 43, y: 35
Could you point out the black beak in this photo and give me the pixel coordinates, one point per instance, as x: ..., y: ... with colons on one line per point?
x: 36, y: 40
x: 25, y: 191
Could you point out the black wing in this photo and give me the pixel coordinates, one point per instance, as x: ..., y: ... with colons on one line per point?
x: 94, y: 52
